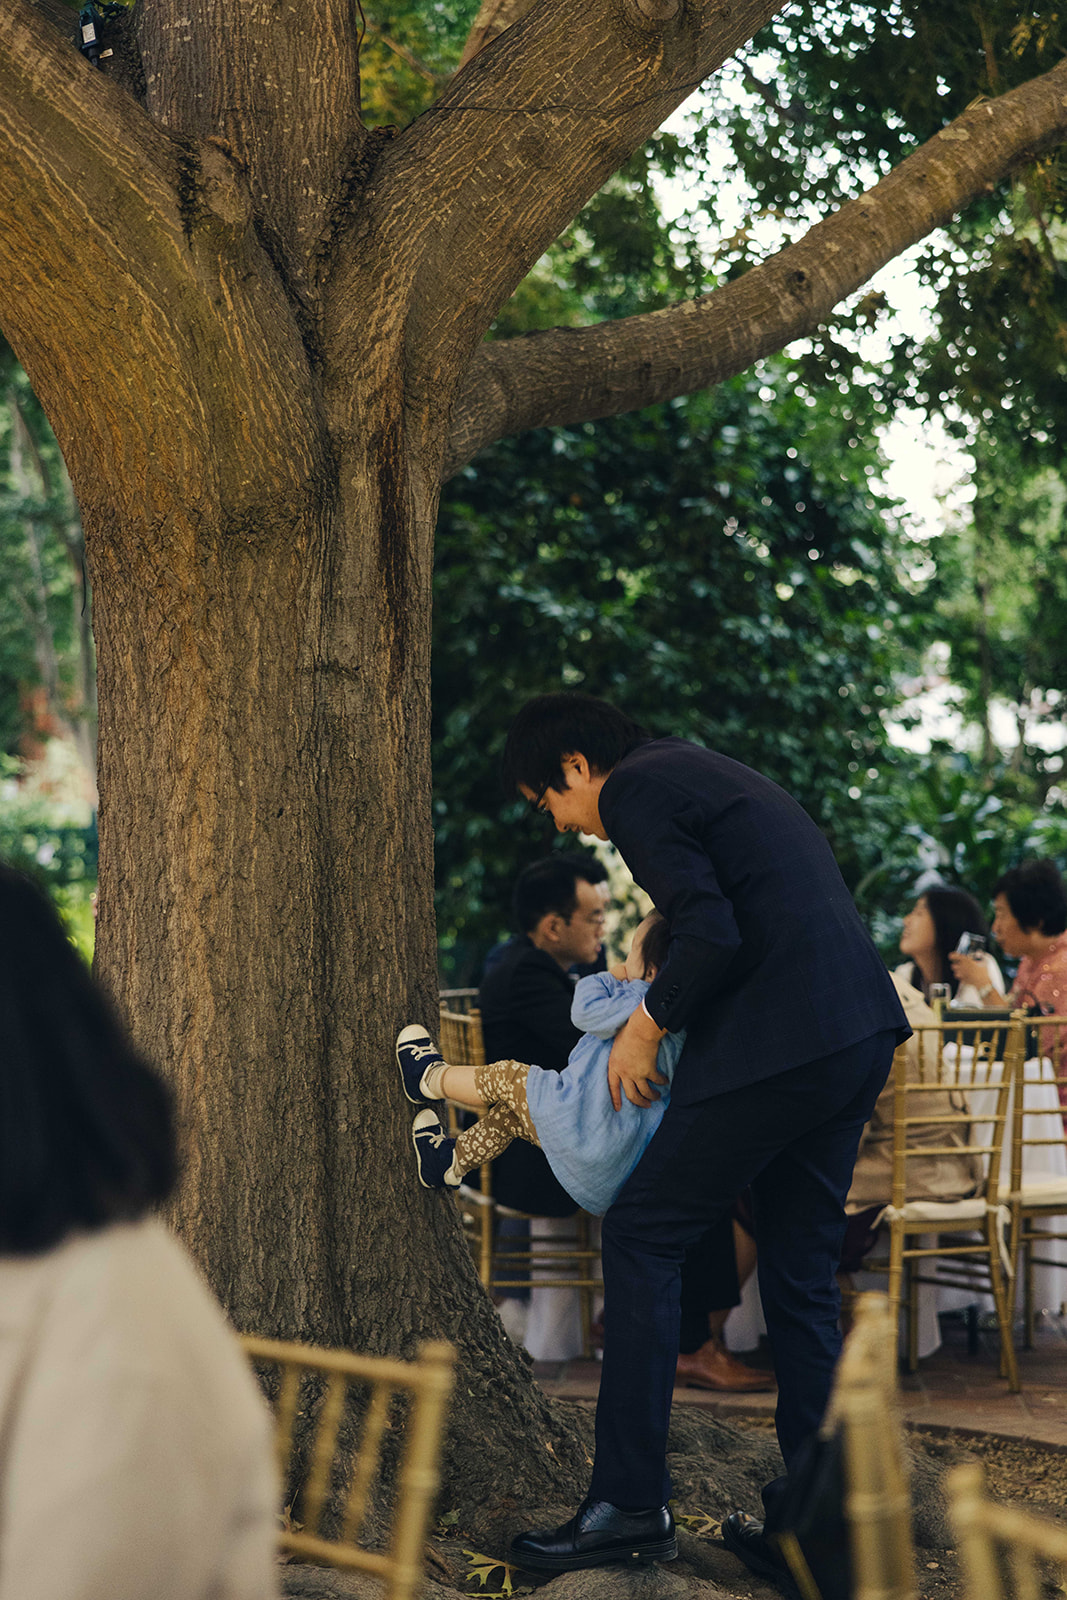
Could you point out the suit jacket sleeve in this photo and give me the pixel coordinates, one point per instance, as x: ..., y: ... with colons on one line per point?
x: 660, y: 836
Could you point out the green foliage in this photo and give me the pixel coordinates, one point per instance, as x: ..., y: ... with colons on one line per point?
x: 718, y: 566
x: 74, y: 902
x: 836, y: 91
x: 1002, y: 587
x: 409, y: 50
x: 47, y: 841
x: 40, y: 558
x: 829, y: 97
x: 942, y: 817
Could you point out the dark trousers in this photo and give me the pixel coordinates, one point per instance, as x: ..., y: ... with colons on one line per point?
x: 793, y: 1138
x: 709, y: 1282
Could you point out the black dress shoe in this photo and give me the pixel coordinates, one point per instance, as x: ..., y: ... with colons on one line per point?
x: 745, y: 1538
x: 598, y: 1533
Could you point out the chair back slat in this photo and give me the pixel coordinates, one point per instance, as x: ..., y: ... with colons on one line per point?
x: 324, y: 1449
x: 1024, y: 1573
x: 934, y: 1073
x: 458, y: 999
x: 878, y: 1503
x: 1033, y: 1086
x: 417, y: 1481
x: 461, y: 1037
x: 1001, y: 1549
x: 285, y: 1416
x: 366, y: 1464
x: 428, y: 1379
x: 863, y: 1412
x: 461, y: 1042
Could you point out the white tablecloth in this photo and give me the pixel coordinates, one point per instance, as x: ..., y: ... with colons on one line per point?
x: 554, y: 1329
x: 1043, y: 1120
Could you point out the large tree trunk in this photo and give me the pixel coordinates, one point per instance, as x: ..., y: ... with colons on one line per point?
x: 266, y: 923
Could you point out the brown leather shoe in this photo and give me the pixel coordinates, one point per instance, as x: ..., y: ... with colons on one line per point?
x: 713, y: 1367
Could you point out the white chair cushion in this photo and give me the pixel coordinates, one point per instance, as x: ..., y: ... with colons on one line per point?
x: 943, y: 1210
x: 1049, y: 1193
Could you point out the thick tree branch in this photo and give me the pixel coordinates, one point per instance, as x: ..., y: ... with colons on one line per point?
x: 477, y: 188
x: 115, y: 238
x: 570, y: 375
x: 268, y: 80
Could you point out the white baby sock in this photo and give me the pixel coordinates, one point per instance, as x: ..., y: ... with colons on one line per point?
x: 432, y: 1081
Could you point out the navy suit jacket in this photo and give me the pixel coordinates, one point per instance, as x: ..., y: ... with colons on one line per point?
x: 769, y: 965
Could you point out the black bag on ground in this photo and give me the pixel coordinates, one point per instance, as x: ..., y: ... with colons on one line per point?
x: 807, y: 1523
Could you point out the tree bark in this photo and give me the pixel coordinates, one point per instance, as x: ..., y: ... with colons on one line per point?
x: 494, y: 16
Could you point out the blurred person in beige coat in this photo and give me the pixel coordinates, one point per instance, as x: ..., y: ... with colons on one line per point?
x: 135, y: 1458
x: 950, y: 1177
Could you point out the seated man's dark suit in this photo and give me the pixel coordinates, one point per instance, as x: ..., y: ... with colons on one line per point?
x: 791, y: 1022
x: 525, y: 1001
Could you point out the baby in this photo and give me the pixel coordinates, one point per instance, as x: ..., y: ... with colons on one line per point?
x: 591, y: 1147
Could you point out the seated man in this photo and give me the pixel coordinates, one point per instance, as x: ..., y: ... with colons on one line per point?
x: 525, y: 999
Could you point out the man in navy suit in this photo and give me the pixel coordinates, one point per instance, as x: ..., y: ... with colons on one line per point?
x: 791, y: 1023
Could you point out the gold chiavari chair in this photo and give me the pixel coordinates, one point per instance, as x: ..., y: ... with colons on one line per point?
x: 1038, y: 1196
x: 863, y: 1415
x: 1005, y: 1554
x: 571, y: 1261
x: 952, y: 1064
x: 877, y: 1501
x: 340, y: 1478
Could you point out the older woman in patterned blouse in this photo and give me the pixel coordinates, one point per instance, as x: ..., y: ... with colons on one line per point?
x: 1031, y: 916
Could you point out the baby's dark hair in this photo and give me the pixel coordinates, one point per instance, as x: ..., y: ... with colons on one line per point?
x: 656, y: 941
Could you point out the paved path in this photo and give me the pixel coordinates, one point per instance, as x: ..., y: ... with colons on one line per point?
x: 952, y: 1388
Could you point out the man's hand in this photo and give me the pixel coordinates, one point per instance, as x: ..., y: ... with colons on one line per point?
x: 632, y: 1064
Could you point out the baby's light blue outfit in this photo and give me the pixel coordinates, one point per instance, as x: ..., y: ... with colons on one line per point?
x: 591, y: 1147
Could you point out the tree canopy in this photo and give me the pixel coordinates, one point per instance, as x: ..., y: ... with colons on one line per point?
x: 720, y: 566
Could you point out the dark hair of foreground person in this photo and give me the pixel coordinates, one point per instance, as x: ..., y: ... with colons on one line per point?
x: 86, y: 1129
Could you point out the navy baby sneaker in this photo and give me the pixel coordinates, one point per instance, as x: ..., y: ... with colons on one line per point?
x: 433, y: 1149
x: 415, y: 1051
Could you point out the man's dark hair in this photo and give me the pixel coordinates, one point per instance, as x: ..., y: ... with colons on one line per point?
x: 555, y: 725
x: 1037, y: 897
x: 86, y: 1135
x: 550, y: 886
x: 656, y: 941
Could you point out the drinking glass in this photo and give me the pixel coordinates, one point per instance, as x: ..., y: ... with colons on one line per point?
x: 940, y: 994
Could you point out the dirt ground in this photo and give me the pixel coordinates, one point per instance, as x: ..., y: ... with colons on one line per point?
x: 1019, y: 1472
